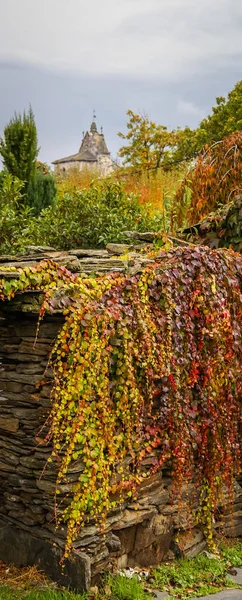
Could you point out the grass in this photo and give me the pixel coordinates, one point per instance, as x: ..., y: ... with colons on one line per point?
x: 7, y: 593
x: 183, y: 579
x: 200, y: 576
x: 122, y: 588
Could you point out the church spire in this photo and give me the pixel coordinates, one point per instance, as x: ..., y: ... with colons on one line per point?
x: 93, y: 127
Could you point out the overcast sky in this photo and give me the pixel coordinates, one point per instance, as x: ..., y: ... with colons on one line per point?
x: 168, y: 58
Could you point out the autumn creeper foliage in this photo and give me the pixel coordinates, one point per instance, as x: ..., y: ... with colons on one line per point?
x: 149, y: 364
x: 215, y: 179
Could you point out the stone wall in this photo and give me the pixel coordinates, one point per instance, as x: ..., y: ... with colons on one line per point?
x: 103, y: 166
x: 142, y: 533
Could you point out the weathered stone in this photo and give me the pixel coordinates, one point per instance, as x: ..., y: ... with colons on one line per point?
x: 9, y: 456
x: 33, y: 551
x: 196, y: 549
x: 153, y: 554
x: 122, y: 561
x: 233, y: 531
x: 127, y: 539
x: 34, y: 369
x: 6, y: 467
x: 191, y: 538
x: 80, y: 253
x: 31, y: 462
x: 119, y: 249
x: 39, y: 249
x: 133, y: 517
x: 18, y: 377
x: 9, y: 424
x: 113, y: 543
x: 11, y: 386
x: 151, y: 531
x: 236, y: 575
x: 71, y: 263
x: 224, y: 595
x: 146, y: 236
x: 39, y: 350
x: 158, y: 595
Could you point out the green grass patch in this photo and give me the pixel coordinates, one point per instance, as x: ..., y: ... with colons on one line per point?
x: 7, y: 593
x: 122, y: 588
x: 199, y: 576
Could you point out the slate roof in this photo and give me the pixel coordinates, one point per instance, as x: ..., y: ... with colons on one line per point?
x: 92, y: 146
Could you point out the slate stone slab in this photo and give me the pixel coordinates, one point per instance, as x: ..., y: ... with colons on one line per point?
x: 159, y: 595
x: 22, y: 549
x: 236, y: 576
x: 224, y: 595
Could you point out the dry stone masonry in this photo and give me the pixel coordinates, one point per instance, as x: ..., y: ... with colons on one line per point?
x: 144, y: 531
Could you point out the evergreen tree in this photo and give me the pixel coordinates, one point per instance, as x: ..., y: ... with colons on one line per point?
x: 19, y: 147
x: 41, y: 190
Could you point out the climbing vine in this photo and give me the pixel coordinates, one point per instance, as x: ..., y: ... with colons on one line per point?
x: 213, y: 182
x: 149, y: 364
x: 221, y: 229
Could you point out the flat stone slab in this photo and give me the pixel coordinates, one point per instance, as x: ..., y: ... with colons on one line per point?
x: 231, y: 594
x: 159, y: 595
x: 237, y: 575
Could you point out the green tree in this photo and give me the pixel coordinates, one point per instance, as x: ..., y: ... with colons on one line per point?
x: 226, y: 118
x: 19, y: 147
x: 14, y: 215
x: 148, y: 145
x: 41, y: 190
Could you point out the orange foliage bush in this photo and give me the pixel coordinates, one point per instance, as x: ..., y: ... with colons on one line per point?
x: 153, y: 187
x: 214, y: 181
x: 76, y: 180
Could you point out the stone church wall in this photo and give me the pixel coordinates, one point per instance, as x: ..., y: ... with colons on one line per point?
x: 103, y: 166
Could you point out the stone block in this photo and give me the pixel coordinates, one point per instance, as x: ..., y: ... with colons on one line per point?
x: 151, y: 555
x: 22, y: 549
x: 151, y: 531
x: 122, y: 561
x: 9, y: 424
x: 113, y: 543
x: 132, y: 517
x: 127, y: 539
x: 191, y: 542
x: 119, y: 249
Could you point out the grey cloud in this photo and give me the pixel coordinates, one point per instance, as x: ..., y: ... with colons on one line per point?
x: 63, y: 103
x: 168, y: 58
x: 146, y: 38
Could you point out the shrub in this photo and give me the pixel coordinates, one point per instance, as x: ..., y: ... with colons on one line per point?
x: 221, y: 229
x: 91, y: 218
x: 214, y: 181
x: 41, y: 190
x: 14, y: 216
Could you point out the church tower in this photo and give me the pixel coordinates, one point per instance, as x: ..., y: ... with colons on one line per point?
x: 93, y: 153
